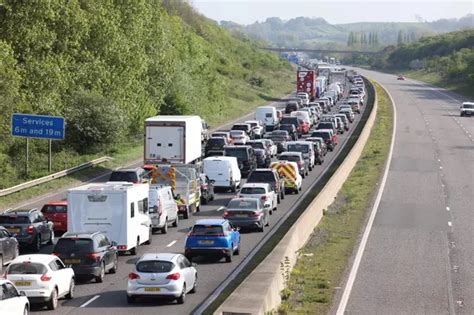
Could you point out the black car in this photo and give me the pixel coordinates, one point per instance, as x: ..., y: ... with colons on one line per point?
x: 291, y: 107
x: 326, y: 125
x: 288, y: 120
x: 90, y: 254
x: 28, y: 226
x: 244, y: 127
x: 215, y: 146
x: 263, y: 160
x: 245, y: 157
x: 207, y: 189
x: 132, y: 175
x: 9, y: 247
x: 292, y: 131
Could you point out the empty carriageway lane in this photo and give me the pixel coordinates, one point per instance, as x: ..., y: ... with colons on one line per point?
x: 109, y: 297
x: 419, y: 257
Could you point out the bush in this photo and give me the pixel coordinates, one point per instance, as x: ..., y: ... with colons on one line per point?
x: 93, y: 122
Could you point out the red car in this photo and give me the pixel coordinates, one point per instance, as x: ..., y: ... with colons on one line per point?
x: 400, y: 77
x: 56, y: 211
x: 303, y: 127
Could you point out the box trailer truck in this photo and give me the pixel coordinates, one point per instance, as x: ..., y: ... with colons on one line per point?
x: 305, y: 82
x: 172, y: 139
x: 119, y: 209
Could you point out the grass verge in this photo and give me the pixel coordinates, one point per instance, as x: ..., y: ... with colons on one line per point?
x: 244, y: 100
x: 324, y: 258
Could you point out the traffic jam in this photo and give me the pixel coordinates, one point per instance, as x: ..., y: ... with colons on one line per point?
x: 256, y: 164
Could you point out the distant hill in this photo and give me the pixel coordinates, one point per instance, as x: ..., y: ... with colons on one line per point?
x: 302, y: 31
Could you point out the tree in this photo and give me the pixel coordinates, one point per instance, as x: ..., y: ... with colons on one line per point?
x: 400, y: 38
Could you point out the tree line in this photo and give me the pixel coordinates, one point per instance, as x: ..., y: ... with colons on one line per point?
x: 362, y: 39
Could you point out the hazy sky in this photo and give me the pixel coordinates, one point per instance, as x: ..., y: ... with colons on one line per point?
x: 335, y: 11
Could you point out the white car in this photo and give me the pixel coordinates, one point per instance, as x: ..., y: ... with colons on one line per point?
x: 256, y: 127
x: 467, y: 108
x: 12, y: 302
x: 162, y: 275
x: 271, y: 147
x: 262, y: 191
x: 43, y: 278
x: 239, y: 137
x: 303, y: 96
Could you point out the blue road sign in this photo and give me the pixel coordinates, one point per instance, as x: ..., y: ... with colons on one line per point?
x: 38, y: 126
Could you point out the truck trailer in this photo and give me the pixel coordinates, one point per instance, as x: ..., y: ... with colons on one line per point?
x: 305, y: 82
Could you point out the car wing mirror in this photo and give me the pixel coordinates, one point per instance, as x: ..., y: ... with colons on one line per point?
x: 237, y: 229
x: 194, y: 264
x: 22, y: 293
x: 113, y: 243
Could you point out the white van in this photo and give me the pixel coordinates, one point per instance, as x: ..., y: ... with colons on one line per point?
x: 162, y: 208
x: 224, y: 171
x: 268, y: 116
x: 119, y: 209
x: 303, y: 115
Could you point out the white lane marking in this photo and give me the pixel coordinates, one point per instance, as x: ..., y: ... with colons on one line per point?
x: 90, y: 301
x: 360, y: 251
x: 449, y: 223
x: 171, y: 244
x: 440, y: 167
x: 448, y: 209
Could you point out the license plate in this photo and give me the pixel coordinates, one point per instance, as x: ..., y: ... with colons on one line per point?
x: 57, y: 223
x: 152, y: 289
x: 206, y: 242
x: 72, y: 261
x: 11, y: 230
x: 241, y: 216
x: 23, y: 283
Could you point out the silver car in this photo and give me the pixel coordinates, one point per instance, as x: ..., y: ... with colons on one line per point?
x: 166, y: 275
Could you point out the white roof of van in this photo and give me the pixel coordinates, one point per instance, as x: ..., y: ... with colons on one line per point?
x: 117, y: 186
x: 220, y: 158
x: 172, y: 118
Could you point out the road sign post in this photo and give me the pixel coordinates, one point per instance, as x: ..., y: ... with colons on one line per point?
x: 38, y: 126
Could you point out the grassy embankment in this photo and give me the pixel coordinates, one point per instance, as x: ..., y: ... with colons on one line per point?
x: 318, y: 272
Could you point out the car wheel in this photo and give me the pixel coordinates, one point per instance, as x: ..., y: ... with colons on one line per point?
x: 268, y: 222
x: 37, y: 244
x: 198, y: 208
x: 175, y: 222
x: 115, y: 266
x: 270, y: 212
x: 72, y: 286
x: 278, y: 198
x: 134, y: 250
x: 130, y: 299
x: 164, y: 229
x: 194, y: 289
x: 297, y: 191
x: 51, y: 238
x: 282, y: 194
x: 52, y: 304
x: 150, y: 236
x: 228, y: 258
x: 182, y: 297
x: 186, y: 214
x: 100, y: 277
x: 233, y: 188
x: 303, y: 175
x: 237, y: 251
x: 204, y: 200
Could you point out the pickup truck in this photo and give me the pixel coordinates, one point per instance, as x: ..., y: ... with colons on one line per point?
x: 270, y: 176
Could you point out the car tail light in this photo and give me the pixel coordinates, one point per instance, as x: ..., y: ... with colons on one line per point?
x: 54, y: 254
x: 173, y: 276
x: 226, y: 214
x: 263, y: 198
x: 30, y: 229
x: 93, y: 256
x: 44, y: 277
x: 133, y: 276
x: 299, y: 164
x: 254, y: 214
x: 122, y: 247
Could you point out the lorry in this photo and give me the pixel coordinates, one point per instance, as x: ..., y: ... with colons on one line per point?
x: 173, y: 139
x: 337, y: 76
x: 305, y: 82
x: 321, y: 84
x: 184, y: 182
x: 120, y: 209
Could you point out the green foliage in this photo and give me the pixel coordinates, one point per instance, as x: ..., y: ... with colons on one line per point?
x: 94, y: 122
x: 132, y: 59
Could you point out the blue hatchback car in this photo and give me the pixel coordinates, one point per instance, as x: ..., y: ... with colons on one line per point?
x: 213, y: 237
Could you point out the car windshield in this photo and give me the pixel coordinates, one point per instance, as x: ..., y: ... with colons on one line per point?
x: 324, y: 135
x: 74, y: 245
x: 216, y: 142
x: 26, y: 268
x: 240, y: 127
x: 123, y: 177
x: 468, y: 106
x: 237, y: 133
x: 239, y: 153
x: 207, y: 230
x: 252, y: 190
x: 261, y: 177
x: 325, y: 125
x: 242, y: 204
x: 257, y: 145
x: 281, y: 133
x: 260, y: 153
x: 22, y: 219
x: 291, y: 158
x: 297, y: 147
x: 54, y: 209
x: 154, y: 266
x: 289, y: 120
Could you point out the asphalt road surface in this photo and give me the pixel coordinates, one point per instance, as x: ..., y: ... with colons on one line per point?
x: 109, y: 297
x: 419, y: 255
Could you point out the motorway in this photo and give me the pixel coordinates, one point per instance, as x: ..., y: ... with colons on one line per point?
x: 419, y: 257
x: 109, y: 297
